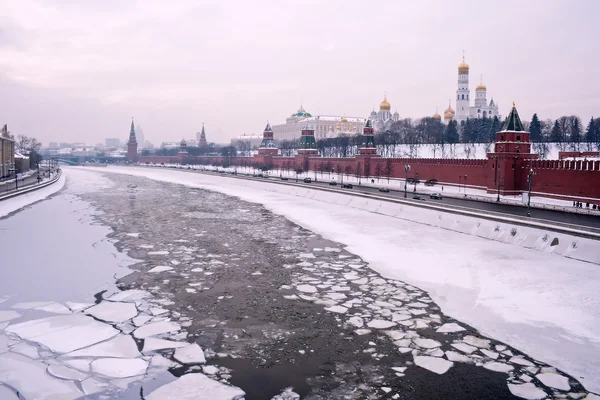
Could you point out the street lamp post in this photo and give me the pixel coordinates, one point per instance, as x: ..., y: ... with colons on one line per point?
x: 530, y: 175
x: 465, y: 186
x: 406, y: 169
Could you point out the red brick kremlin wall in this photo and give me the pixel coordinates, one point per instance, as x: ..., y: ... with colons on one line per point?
x: 570, y: 180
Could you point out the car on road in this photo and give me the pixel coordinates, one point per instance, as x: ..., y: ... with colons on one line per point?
x: 307, y: 180
x: 384, y: 189
x: 333, y: 183
x: 346, y: 186
x: 435, y: 196
x: 417, y: 197
x: 283, y: 178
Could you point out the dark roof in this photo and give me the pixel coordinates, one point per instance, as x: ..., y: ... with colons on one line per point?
x: 513, y: 122
x: 368, y: 123
x: 268, y: 128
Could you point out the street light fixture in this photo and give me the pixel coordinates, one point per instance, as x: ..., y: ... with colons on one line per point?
x: 406, y: 169
x: 530, y: 176
x: 465, y: 186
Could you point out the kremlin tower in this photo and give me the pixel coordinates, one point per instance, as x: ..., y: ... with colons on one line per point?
x: 132, y: 145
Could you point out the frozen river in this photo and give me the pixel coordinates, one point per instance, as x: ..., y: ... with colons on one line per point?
x: 124, y: 286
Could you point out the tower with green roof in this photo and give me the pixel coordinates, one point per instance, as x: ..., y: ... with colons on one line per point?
x: 511, y: 156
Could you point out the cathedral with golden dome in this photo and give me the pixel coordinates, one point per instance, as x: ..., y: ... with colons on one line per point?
x: 464, y: 109
x: 384, y: 118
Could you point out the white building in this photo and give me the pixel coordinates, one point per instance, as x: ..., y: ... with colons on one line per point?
x: 325, y: 126
x: 383, y: 119
x: 464, y: 109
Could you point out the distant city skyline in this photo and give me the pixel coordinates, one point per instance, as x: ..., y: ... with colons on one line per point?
x: 78, y: 71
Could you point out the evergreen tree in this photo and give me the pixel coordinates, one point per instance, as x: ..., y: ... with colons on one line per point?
x: 556, y: 134
x: 575, y: 130
x: 535, y: 128
x: 590, y: 132
x: 495, y: 127
x: 451, y: 133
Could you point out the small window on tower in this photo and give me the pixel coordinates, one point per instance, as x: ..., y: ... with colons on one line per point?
x: 463, y: 96
x: 518, y: 138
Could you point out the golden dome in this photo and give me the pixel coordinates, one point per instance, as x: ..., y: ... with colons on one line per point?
x: 436, y: 116
x: 463, y: 67
x: 449, y: 110
x: 385, y: 105
x: 448, y: 115
x: 481, y: 86
x: 344, y: 119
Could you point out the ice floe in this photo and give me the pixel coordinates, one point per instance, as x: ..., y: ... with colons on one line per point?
x: 62, y: 372
x: 196, y: 387
x: 113, y: 311
x: 433, y: 364
x: 119, y: 367
x: 155, y: 328
x: 152, y: 344
x: 130, y: 296
x: 527, y: 391
x: 19, y: 372
x: 498, y: 366
x: 451, y: 327
x: 65, y: 333
x: 8, y: 315
x: 122, y: 346
x: 380, y: 324
x: 160, y: 268
x: 190, y: 354
x: 554, y: 381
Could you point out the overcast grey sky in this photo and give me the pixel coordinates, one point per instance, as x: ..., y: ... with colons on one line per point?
x: 78, y: 70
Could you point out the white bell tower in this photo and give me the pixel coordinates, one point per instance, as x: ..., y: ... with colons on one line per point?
x: 463, y: 92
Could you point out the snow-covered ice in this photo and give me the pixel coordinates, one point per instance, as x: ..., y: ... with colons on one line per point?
x: 498, y: 366
x: 62, y: 372
x: 130, y: 296
x: 113, y: 311
x: 451, y: 327
x: 121, y: 346
x: 119, y: 367
x: 160, y: 268
x: 190, y: 354
x: 8, y: 315
x: 155, y: 328
x: 65, y: 333
x: 307, y: 288
x: 196, y: 387
x: 151, y: 344
x: 527, y: 391
x: 434, y: 364
x: 19, y: 372
x: 426, y: 343
x: 380, y: 324
x: 554, y: 381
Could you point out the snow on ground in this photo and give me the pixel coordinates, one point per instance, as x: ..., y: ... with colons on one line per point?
x: 544, y: 304
x: 8, y: 206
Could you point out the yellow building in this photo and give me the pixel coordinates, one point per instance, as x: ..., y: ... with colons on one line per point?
x: 7, y: 153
